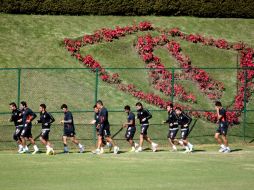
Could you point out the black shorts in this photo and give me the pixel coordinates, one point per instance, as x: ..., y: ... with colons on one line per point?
x: 17, y: 133
x: 222, y: 129
x: 130, y: 132
x: 184, y: 133
x: 69, y: 133
x: 27, y: 132
x: 172, y: 133
x: 104, y: 131
x: 144, y: 128
x: 45, y: 134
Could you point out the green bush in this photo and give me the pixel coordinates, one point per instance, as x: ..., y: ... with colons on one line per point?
x: 200, y: 8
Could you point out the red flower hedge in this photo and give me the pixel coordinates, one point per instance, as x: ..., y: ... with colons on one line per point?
x: 161, y: 78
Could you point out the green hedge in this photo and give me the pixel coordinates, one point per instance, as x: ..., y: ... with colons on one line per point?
x: 200, y: 8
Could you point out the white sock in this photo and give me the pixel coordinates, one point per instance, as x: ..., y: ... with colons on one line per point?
x: 228, y: 148
x: 223, y: 146
x: 26, y: 148
x: 154, y: 144
x: 20, y: 146
x: 47, y: 147
x: 186, y: 148
x: 174, y: 147
x: 80, y: 145
x: 36, y: 147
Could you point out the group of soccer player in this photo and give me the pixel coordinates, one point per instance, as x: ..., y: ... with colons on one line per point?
x: 24, y: 116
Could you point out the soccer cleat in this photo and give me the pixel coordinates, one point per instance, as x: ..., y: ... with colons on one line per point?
x: 136, y: 145
x: 139, y: 149
x: 191, y: 148
x: 102, y: 150
x: 227, y: 150
x: 35, y: 151
x: 109, y: 145
x: 174, y: 148
x: 186, y: 151
x: 48, y: 151
x: 81, y: 149
x: 132, y: 149
x: 97, y: 151
x: 116, y: 150
x: 154, y: 147
x: 222, y: 149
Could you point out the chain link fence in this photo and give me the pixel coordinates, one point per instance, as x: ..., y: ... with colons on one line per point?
x: 80, y: 88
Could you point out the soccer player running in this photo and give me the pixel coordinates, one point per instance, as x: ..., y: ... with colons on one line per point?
x: 46, y: 119
x: 131, y: 128
x: 96, y: 123
x: 173, y: 125
x: 222, y: 129
x: 104, y: 128
x: 184, y: 121
x: 16, y: 118
x: 69, y: 130
x: 144, y: 115
x: 27, y: 117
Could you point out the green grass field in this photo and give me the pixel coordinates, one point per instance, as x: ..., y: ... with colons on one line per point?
x: 34, y: 41
x: 203, y: 169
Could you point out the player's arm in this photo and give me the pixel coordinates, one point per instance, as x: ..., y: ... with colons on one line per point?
x: 68, y: 119
x: 51, y: 118
x: 188, y: 120
x: 148, y: 116
x: 131, y: 122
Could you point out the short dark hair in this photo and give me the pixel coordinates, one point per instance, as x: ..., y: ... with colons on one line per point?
x: 99, y: 102
x: 23, y: 103
x: 95, y: 106
x: 218, y: 103
x: 13, y: 104
x: 127, y: 107
x: 170, y: 105
x: 43, y: 106
x: 64, y: 106
x: 178, y: 108
x: 139, y: 104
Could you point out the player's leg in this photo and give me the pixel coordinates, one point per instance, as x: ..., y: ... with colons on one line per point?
x: 30, y: 137
x: 16, y: 137
x: 184, y: 135
x: 75, y: 141
x: 171, y: 138
x: 66, y: 150
x: 107, y: 135
x: 218, y: 139
x: 23, y: 138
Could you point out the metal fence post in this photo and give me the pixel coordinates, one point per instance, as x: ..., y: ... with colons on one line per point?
x: 172, y: 85
x: 244, y: 109
x: 95, y: 100
x: 19, y: 80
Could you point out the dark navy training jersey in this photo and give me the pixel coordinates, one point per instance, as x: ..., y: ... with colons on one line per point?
x: 96, y: 118
x: 131, y: 117
x: 68, y: 121
x: 16, y: 115
x: 184, y: 119
x: 28, y: 115
x: 46, y: 119
x: 172, y: 119
x: 144, y: 113
x: 223, y: 113
x: 103, y: 117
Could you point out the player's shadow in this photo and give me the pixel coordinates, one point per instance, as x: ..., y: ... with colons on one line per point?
x: 236, y: 150
x: 199, y: 150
